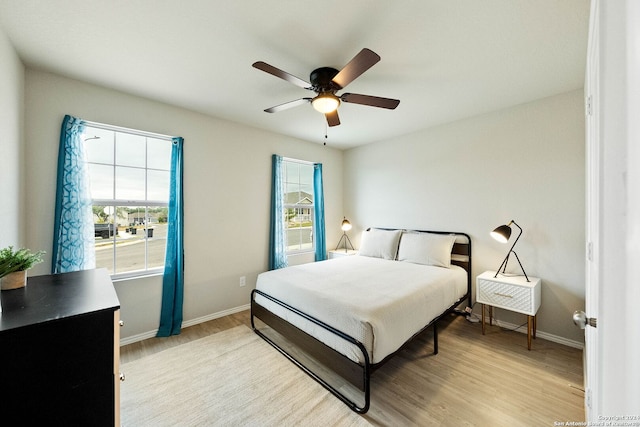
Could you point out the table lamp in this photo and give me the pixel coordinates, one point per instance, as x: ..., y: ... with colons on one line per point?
x: 502, y: 234
x: 346, y: 226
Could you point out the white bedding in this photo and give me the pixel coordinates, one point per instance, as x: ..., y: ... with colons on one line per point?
x: 381, y: 303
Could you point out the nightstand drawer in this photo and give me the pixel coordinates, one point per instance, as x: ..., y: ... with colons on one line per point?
x: 511, y: 293
x: 506, y: 296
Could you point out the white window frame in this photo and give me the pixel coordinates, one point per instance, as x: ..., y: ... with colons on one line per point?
x: 296, y: 206
x: 114, y: 203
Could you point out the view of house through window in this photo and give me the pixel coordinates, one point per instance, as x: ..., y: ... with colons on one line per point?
x: 130, y: 174
x: 298, y: 205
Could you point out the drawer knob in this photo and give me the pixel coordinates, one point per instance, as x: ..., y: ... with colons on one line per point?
x: 122, y: 377
x: 121, y: 323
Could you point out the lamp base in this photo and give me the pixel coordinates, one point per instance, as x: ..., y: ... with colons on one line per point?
x: 503, y: 266
x: 346, y: 240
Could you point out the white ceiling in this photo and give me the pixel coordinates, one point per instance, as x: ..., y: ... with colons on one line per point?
x: 444, y: 59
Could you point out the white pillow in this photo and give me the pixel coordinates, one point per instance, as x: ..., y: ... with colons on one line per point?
x: 380, y: 243
x: 426, y: 248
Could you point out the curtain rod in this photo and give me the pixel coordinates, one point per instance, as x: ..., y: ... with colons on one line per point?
x: 304, y: 162
x: 126, y: 130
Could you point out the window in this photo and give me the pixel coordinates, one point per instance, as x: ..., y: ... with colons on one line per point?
x: 129, y: 172
x: 298, y: 205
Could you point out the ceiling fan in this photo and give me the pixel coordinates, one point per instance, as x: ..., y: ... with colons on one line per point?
x: 326, y: 81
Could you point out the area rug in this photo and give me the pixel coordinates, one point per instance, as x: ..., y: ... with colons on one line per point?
x: 231, y: 378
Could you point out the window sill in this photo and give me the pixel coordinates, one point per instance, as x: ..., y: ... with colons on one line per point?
x: 301, y: 252
x: 126, y: 277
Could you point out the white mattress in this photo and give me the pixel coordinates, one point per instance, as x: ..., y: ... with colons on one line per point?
x: 381, y: 303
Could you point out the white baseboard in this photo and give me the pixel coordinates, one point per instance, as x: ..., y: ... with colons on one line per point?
x: 185, y: 324
x: 217, y: 315
x: 541, y: 334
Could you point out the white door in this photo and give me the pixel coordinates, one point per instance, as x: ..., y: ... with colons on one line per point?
x: 593, y: 200
x: 612, y: 89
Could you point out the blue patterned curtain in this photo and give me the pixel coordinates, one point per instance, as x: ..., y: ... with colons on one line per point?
x: 277, y: 232
x: 173, y: 279
x: 73, y: 238
x: 318, y: 214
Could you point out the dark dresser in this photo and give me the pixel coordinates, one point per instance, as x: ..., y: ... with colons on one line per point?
x: 59, y: 351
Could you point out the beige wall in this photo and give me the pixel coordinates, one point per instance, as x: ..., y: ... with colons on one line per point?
x: 227, y: 170
x: 11, y: 163
x: 524, y: 163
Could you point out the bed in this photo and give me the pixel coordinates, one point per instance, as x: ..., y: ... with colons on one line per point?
x: 341, y: 319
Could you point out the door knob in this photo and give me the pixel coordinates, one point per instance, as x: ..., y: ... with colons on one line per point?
x: 581, y: 320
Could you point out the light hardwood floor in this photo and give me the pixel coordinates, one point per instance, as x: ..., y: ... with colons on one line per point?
x: 475, y: 380
x: 151, y: 346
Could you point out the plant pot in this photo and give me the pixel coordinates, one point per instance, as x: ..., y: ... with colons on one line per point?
x: 15, y: 280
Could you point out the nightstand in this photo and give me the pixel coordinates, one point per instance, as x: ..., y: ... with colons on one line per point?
x: 340, y: 253
x: 512, y: 293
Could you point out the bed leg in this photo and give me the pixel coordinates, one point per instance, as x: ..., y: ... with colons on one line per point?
x: 435, y: 338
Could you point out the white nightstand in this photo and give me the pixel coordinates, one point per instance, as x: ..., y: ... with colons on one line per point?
x: 511, y: 293
x: 340, y: 253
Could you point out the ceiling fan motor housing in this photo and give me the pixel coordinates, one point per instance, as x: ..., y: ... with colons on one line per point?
x: 321, y: 80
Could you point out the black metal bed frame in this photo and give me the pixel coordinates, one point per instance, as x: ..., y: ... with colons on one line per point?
x: 357, y: 374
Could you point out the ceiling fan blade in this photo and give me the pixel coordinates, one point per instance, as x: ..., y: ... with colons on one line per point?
x: 281, y: 74
x: 288, y: 105
x: 332, y: 118
x: 373, y: 101
x: 358, y: 65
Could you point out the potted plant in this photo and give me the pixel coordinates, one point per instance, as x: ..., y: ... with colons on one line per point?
x: 14, y: 266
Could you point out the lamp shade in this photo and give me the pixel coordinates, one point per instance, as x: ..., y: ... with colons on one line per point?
x: 325, y: 102
x: 346, y: 225
x: 502, y: 233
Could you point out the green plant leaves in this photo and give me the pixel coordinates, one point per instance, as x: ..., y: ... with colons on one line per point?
x: 22, y: 259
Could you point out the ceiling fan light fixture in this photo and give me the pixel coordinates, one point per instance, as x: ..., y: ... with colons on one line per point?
x: 325, y: 103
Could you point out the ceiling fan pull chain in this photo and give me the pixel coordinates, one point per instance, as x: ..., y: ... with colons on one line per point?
x: 325, y: 133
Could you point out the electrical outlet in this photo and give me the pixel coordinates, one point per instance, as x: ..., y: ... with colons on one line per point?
x: 243, y: 280
x: 468, y: 310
